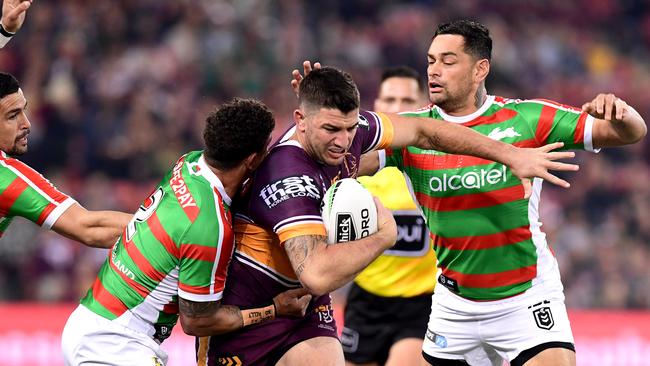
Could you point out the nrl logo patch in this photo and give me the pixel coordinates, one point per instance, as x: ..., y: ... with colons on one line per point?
x: 543, y: 318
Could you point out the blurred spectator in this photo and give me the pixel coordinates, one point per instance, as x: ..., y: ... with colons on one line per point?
x: 119, y: 88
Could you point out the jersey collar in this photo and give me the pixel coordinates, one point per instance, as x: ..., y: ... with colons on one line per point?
x: 209, y: 175
x: 463, y: 119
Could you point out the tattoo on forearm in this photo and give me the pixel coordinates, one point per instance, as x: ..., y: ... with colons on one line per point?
x: 299, y: 249
x: 233, y: 312
x: 195, y: 309
x: 257, y: 315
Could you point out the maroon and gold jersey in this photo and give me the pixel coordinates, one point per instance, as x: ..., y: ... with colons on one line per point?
x: 283, y: 201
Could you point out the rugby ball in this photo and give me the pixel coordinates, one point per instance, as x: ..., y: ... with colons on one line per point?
x: 349, y: 212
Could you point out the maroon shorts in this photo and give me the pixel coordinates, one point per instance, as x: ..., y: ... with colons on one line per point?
x: 266, y: 343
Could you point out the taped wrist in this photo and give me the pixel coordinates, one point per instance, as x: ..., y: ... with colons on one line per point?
x: 258, y: 313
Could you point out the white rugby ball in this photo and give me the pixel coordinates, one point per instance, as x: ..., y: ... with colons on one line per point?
x: 348, y: 211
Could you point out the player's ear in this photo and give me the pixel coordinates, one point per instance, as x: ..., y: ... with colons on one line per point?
x: 481, y: 70
x: 254, y: 160
x: 299, y: 119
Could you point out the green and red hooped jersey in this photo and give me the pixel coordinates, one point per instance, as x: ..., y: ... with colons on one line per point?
x: 26, y: 193
x: 487, y: 237
x: 179, y: 243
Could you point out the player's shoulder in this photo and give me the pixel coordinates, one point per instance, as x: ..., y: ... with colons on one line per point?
x: 11, y: 169
x: 192, y: 183
x: 286, y: 179
x: 286, y: 156
x: 425, y: 111
x: 534, y: 103
x: 287, y: 164
x: 11, y: 165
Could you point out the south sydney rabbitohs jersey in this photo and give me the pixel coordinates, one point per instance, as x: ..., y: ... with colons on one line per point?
x: 179, y: 243
x: 283, y: 201
x: 487, y: 237
x: 25, y: 193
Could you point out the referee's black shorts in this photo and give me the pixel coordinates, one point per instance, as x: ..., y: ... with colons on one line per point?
x: 374, y: 323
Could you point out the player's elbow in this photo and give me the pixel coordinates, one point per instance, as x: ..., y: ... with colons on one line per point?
x: 315, y: 283
x: 193, y: 326
x: 204, y: 326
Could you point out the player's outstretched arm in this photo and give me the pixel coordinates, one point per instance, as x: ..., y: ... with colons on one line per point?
x: 616, y: 123
x: 209, y: 318
x: 98, y: 229
x: 429, y: 133
x: 322, y: 267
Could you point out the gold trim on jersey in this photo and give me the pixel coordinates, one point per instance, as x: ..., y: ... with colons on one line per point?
x: 388, y: 132
x: 263, y: 247
x: 288, y: 232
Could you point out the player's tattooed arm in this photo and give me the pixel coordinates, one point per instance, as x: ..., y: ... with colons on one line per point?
x: 300, y: 249
x: 197, y: 309
x: 210, y: 317
x: 205, y: 318
x: 322, y: 267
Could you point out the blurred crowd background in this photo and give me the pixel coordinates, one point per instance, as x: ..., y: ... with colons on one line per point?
x: 118, y: 89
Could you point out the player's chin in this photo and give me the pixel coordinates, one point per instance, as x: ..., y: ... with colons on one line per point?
x: 333, y: 157
x: 18, y: 149
x: 437, y: 97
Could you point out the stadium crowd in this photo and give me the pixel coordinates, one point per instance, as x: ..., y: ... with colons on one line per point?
x: 116, y: 91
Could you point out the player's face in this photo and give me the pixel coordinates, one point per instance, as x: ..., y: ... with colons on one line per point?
x: 329, y: 134
x: 450, y: 73
x: 398, y: 94
x: 14, y: 125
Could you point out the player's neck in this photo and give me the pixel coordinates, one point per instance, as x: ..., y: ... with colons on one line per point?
x: 470, y: 105
x: 302, y: 140
x: 231, y: 179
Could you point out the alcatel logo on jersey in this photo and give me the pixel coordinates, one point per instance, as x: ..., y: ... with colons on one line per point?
x: 468, y: 180
x: 290, y: 187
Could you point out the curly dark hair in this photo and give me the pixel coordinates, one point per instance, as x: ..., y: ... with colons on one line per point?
x: 8, y: 84
x: 477, y: 37
x: 235, y: 130
x: 331, y: 88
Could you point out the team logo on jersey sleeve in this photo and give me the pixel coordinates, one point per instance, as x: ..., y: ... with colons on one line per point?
x: 289, y: 187
x: 363, y: 122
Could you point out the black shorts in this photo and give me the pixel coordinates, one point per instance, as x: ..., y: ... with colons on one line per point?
x: 374, y: 323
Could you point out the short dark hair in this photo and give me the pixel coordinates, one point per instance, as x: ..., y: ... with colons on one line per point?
x: 329, y: 87
x: 235, y: 130
x: 403, y: 72
x: 8, y: 84
x: 477, y: 37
